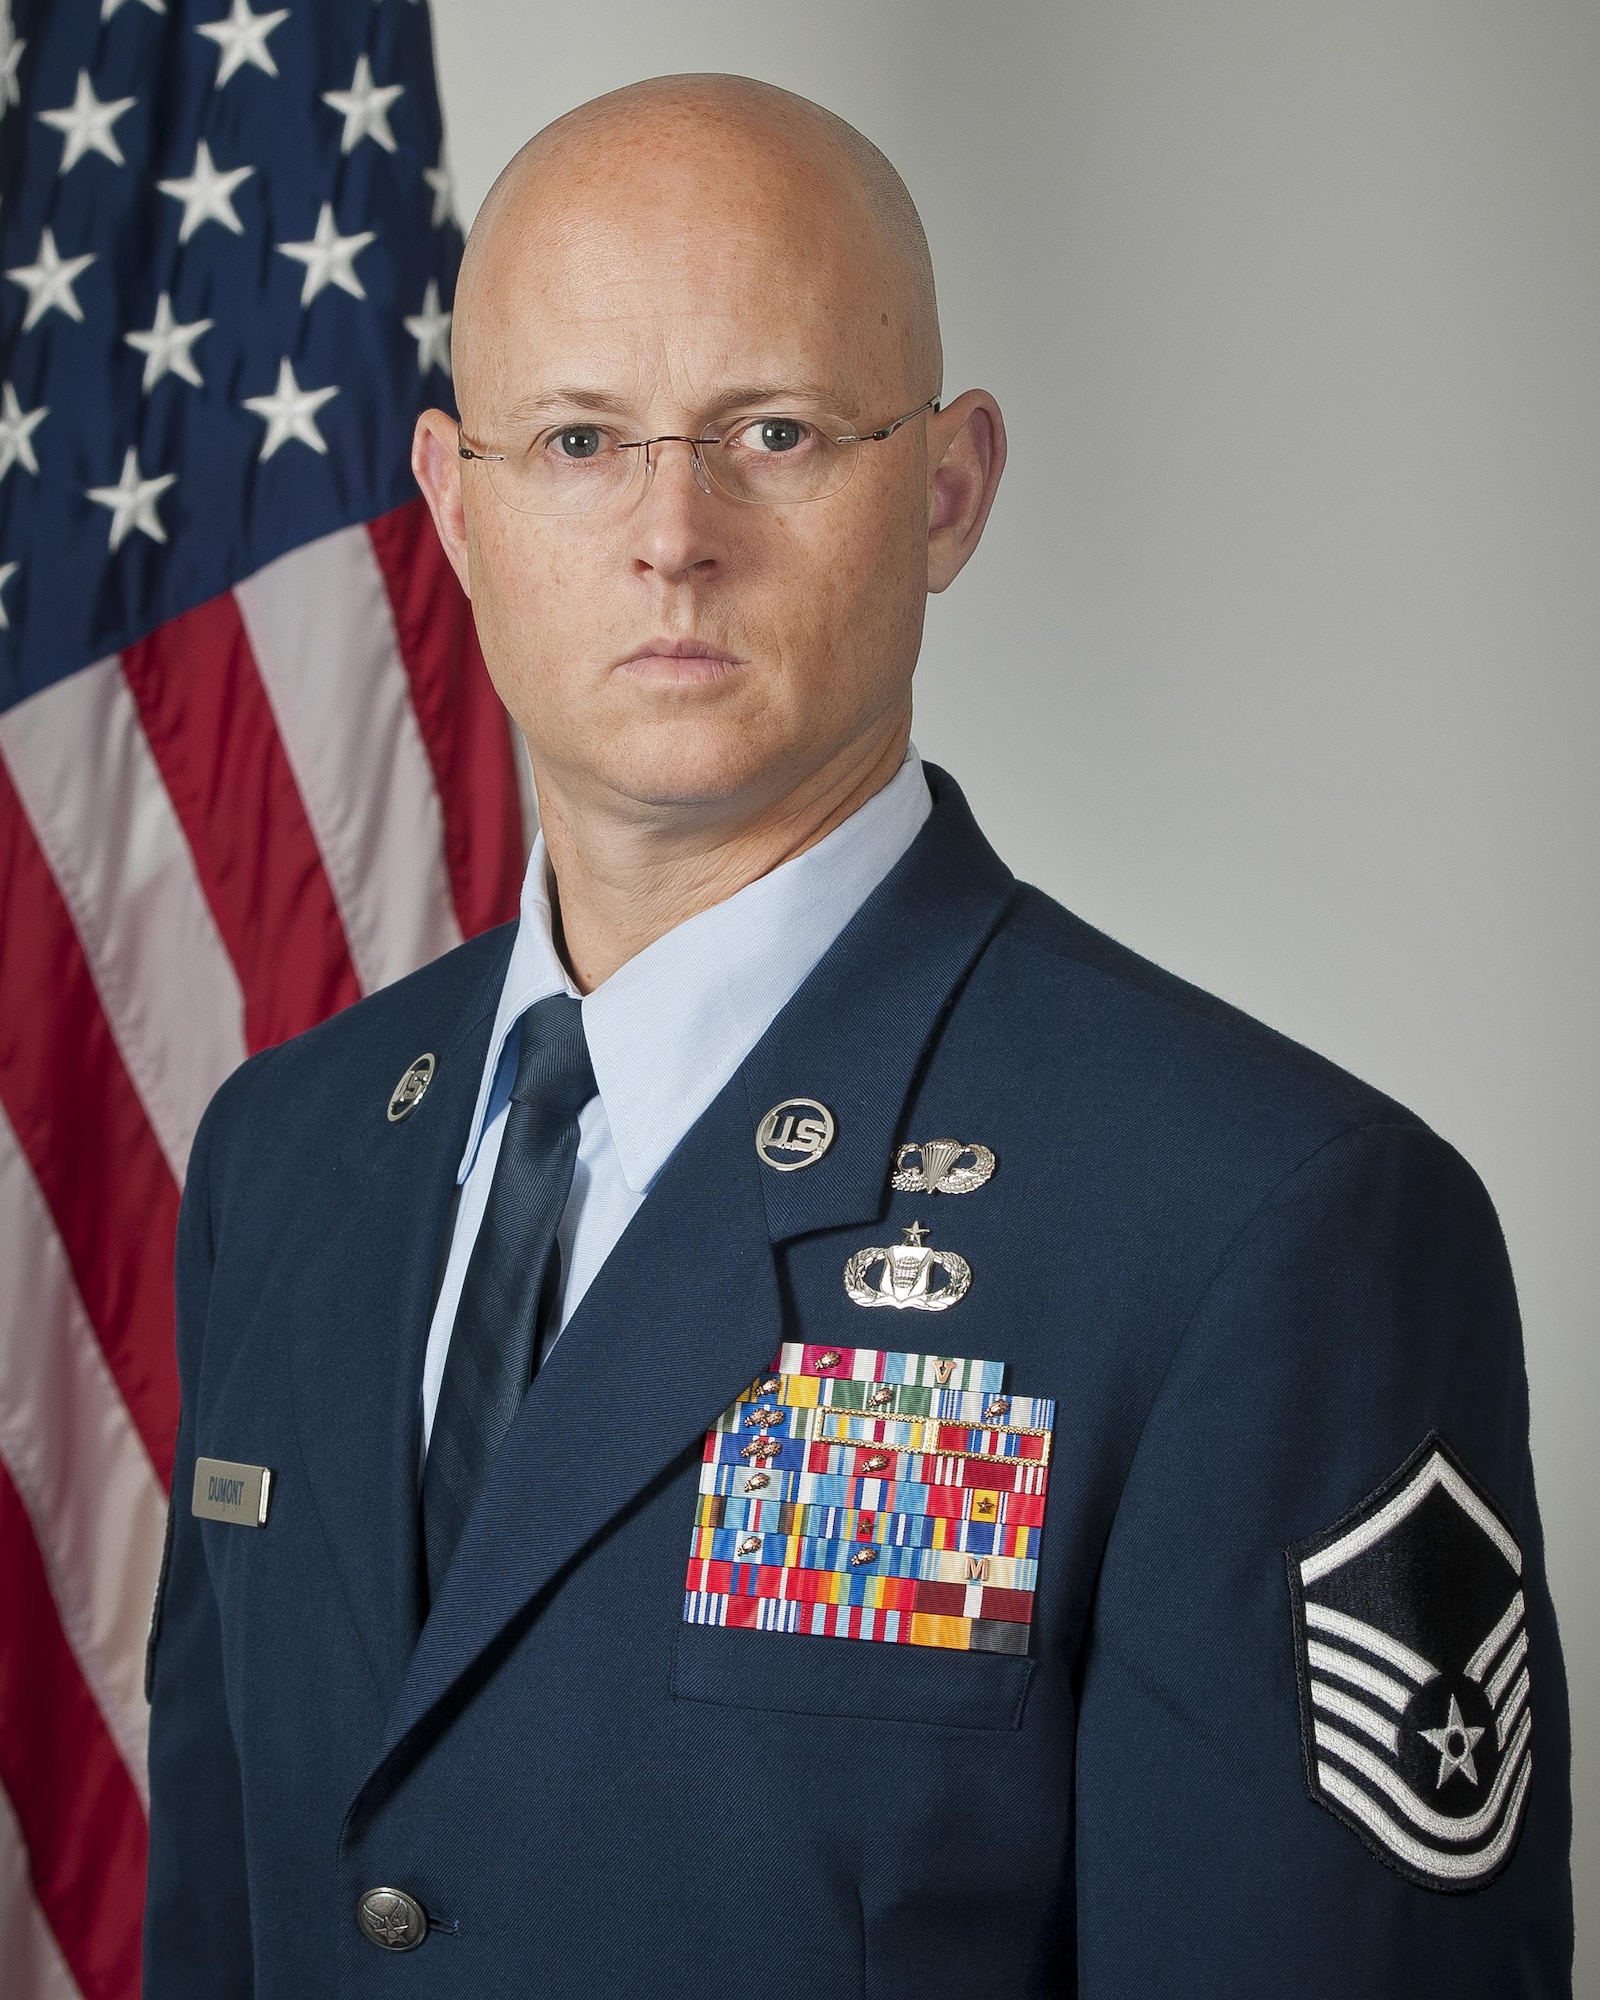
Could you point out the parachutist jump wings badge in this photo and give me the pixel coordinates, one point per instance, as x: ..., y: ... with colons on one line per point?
x: 1412, y: 1654
x: 906, y: 1279
x: 944, y: 1166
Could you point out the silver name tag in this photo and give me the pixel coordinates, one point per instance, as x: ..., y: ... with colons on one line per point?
x: 224, y: 1491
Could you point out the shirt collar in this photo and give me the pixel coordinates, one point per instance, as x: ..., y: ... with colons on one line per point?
x: 669, y: 1028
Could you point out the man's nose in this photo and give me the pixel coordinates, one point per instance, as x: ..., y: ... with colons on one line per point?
x: 674, y: 522
x: 693, y: 451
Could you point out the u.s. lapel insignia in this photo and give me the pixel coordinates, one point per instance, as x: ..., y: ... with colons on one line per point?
x: 906, y: 1279
x: 943, y: 1166
x: 794, y: 1134
x: 1415, y: 1692
x: 409, y: 1091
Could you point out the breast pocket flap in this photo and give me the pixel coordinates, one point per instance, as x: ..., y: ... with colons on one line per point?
x: 847, y: 1677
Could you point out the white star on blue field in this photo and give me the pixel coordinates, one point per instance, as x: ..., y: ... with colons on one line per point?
x: 228, y: 249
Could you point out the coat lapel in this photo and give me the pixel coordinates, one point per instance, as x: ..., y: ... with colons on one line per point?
x: 858, y: 1031
x: 624, y: 1393
x: 357, y: 1355
x: 686, y: 1312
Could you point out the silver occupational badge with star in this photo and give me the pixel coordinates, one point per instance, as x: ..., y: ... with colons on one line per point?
x: 906, y: 1276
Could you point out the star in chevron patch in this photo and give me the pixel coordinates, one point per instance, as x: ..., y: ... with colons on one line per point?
x: 1412, y: 1653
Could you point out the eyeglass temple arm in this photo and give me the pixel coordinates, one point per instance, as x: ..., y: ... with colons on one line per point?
x: 877, y: 437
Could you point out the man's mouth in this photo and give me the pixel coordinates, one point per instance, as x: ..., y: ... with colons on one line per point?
x: 684, y: 661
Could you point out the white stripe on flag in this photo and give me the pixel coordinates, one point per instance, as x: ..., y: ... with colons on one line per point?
x: 35, y: 1969
x: 322, y: 632
x: 89, y: 784
x: 67, y: 1440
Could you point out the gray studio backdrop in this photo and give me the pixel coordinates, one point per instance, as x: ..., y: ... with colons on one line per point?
x: 1279, y: 659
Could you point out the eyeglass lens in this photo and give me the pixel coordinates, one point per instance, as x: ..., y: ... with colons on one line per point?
x: 770, y: 461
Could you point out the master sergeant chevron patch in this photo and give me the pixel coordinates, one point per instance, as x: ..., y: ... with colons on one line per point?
x: 1415, y: 1684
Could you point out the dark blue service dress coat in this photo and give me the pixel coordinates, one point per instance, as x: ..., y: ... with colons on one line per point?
x: 1287, y: 1719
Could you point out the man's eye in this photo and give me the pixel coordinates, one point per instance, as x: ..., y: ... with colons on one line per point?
x: 578, y: 441
x: 772, y: 434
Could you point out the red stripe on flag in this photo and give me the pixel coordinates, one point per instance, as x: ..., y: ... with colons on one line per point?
x: 459, y: 714
x: 211, y: 730
x: 80, y: 1122
x: 80, y: 1816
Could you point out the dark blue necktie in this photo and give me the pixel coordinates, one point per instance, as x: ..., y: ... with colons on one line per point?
x: 495, y: 1337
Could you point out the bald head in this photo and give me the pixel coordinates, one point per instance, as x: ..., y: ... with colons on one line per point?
x: 700, y: 490
x: 681, y: 158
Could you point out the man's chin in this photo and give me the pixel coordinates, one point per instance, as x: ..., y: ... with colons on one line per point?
x: 697, y: 765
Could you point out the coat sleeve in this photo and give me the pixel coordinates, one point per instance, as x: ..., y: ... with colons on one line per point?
x: 1365, y: 1309
x: 197, y: 1914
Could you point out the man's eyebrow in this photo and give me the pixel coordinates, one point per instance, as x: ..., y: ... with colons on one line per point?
x: 561, y: 401
x: 566, y: 398
x: 742, y: 394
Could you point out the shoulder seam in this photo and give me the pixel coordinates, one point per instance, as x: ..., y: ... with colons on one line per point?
x: 1213, y: 1013
x: 1171, y: 987
x: 1230, y: 1250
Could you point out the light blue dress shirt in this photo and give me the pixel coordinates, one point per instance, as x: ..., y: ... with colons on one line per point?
x: 666, y: 1031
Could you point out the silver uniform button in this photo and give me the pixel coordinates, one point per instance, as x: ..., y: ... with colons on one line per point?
x: 408, y: 1092
x: 392, y: 1919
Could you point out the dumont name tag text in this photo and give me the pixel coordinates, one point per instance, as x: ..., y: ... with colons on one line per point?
x: 224, y: 1491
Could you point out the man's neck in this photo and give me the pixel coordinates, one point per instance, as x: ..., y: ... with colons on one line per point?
x: 621, y: 883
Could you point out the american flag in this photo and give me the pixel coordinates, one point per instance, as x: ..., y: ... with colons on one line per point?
x: 250, y: 765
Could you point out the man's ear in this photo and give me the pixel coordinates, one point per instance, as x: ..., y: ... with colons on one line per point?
x: 966, y: 456
x: 437, y: 465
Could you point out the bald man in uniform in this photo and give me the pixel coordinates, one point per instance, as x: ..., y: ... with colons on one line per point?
x: 798, y: 1421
